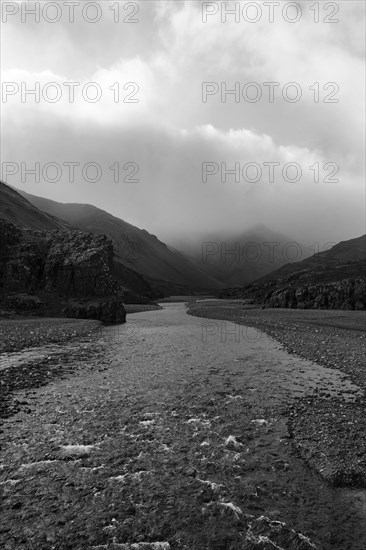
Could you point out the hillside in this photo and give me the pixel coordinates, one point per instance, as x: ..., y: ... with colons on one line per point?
x: 334, y: 279
x: 345, y: 259
x: 16, y: 209
x: 135, y: 248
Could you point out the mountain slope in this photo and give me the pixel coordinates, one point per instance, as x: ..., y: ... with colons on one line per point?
x: 335, y: 278
x: 16, y: 209
x: 134, y: 248
x: 344, y: 259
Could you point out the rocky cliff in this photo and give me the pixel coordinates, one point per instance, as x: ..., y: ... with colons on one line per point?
x: 345, y: 294
x: 58, y: 272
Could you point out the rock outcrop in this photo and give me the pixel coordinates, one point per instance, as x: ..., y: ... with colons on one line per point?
x: 59, y: 272
x: 346, y: 294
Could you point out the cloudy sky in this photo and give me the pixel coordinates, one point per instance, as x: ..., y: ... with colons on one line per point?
x: 156, y: 130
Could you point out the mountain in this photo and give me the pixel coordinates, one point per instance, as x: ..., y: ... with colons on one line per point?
x: 335, y: 278
x: 237, y: 259
x: 16, y: 209
x: 135, y: 249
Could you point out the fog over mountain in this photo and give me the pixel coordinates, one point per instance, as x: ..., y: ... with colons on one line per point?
x: 174, y: 144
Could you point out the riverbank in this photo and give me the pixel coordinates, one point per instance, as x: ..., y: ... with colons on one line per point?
x: 17, y: 334
x: 328, y: 432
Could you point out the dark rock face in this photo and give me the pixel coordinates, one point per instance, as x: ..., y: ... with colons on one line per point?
x: 59, y: 272
x: 79, y: 264
x: 347, y: 294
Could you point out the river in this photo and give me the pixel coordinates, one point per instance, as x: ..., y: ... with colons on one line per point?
x: 214, y: 395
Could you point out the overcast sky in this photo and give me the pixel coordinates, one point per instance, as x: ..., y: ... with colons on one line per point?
x: 169, y: 132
